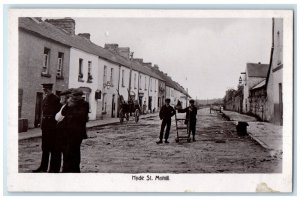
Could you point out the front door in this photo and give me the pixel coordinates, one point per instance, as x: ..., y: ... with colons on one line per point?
x: 150, y: 104
x: 280, y: 104
x: 141, y: 101
x: 113, y: 106
x: 38, y: 109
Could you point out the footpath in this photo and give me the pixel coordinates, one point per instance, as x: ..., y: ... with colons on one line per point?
x: 36, y: 132
x: 266, y: 134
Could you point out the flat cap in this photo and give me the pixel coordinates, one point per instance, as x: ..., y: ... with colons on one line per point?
x: 192, y: 101
x: 76, y: 92
x: 168, y: 100
x: 66, y: 92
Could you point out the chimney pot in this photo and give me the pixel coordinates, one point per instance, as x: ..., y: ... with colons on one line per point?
x: 85, y: 35
x: 67, y: 24
x: 112, y: 47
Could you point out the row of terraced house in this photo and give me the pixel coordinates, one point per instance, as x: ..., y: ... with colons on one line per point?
x: 259, y: 91
x: 51, y: 52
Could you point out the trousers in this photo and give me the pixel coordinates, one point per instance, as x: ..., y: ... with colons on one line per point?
x: 164, y: 123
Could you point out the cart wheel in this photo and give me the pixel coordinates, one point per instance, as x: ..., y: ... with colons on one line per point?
x: 176, y: 140
x: 189, y: 140
x: 137, y: 115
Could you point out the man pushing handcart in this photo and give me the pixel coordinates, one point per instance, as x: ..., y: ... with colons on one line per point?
x: 188, y: 124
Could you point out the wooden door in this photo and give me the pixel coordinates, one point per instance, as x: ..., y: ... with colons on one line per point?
x: 38, y: 109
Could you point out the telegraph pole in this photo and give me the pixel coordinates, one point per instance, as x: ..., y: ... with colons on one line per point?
x: 129, y: 91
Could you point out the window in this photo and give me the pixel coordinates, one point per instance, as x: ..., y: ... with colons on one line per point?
x: 123, y: 78
x: 46, y: 62
x: 80, y: 74
x: 60, y: 61
x: 155, y: 86
x: 111, y: 75
x: 145, y: 83
x: 150, y: 84
x: 105, y: 74
x: 90, y: 77
x: 140, y: 82
x: 134, y: 81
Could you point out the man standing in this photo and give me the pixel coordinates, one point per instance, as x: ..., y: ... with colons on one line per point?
x: 50, y: 106
x: 191, y: 116
x: 75, y: 118
x: 165, y: 114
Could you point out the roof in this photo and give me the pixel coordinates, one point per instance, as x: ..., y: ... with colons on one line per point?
x: 257, y: 70
x: 49, y: 31
x: 52, y: 32
x: 259, y: 85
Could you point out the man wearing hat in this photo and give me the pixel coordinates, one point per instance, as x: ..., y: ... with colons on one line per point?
x: 50, y: 106
x: 75, y: 117
x: 191, y: 115
x: 165, y: 114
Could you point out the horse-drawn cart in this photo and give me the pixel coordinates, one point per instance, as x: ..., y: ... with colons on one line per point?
x: 127, y: 108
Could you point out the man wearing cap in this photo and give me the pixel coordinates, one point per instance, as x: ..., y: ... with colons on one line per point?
x: 59, y: 138
x: 75, y: 117
x: 191, y: 115
x: 50, y: 106
x: 165, y: 114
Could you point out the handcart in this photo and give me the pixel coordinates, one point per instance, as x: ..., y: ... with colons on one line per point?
x: 182, y: 128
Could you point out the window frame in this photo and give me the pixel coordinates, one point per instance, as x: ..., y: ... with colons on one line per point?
x: 46, y: 63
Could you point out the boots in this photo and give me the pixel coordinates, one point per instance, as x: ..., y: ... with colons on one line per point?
x: 159, y: 142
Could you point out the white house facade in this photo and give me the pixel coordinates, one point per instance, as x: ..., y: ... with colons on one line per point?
x: 109, y: 85
x: 83, y: 74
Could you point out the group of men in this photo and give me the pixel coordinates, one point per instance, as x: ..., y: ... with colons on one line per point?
x: 167, y: 112
x: 63, y: 129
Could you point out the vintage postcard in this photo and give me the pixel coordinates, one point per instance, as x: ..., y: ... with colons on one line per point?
x: 148, y: 100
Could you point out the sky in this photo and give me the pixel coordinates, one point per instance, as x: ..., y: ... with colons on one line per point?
x: 205, y: 55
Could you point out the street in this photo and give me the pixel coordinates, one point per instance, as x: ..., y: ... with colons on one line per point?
x: 131, y: 148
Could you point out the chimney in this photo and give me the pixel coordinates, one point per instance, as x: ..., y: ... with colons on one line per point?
x: 112, y: 47
x: 85, y: 35
x: 156, y: 67
x: 139, y: 60
x: 148, y: 64
x: 67, y: 24
x: 124, y: 51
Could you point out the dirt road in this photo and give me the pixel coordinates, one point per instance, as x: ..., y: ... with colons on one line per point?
x: 132, y: 148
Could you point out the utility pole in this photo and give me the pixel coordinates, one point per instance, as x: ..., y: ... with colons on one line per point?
x: 129, y: 91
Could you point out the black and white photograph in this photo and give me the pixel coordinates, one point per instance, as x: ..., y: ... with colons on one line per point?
x: 151, y: 100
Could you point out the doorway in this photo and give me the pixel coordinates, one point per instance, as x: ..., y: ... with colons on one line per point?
x: 280, y: 104
x: 150, y: 104
x: 113, y: 106
x: 38, y: 109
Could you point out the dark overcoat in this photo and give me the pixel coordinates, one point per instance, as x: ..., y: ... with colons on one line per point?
x: 50, y: 106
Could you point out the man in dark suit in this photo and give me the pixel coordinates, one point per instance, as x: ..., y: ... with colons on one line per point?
x: 50, y: 106
x: 165, y: 114
x: 75, y: 119
x: 191, y: 113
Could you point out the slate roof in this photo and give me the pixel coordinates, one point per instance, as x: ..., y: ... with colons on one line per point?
x: 51, y: 32
x: 259, y: 85
x: 257, y: 70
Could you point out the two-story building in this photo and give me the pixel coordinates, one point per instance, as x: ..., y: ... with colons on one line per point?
x: 43, y: 58
x: 274, y: 104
